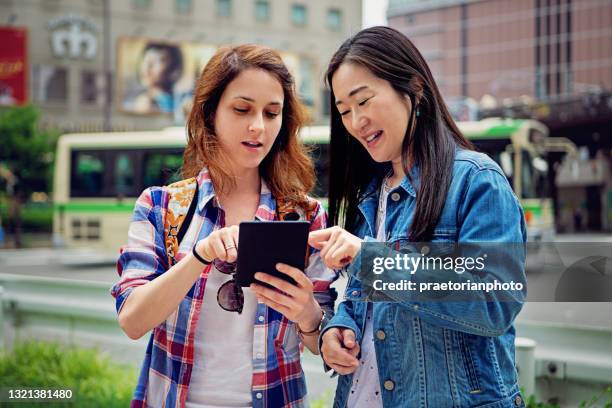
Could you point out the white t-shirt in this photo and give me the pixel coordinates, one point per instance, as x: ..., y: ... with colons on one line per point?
x: 365, y: 390
x: 223, y: 351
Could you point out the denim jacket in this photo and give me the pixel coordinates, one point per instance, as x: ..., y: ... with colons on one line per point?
x: 442, y: 354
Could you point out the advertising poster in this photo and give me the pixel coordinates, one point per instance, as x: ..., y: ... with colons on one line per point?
x: 157, y: 77
x: 13, y: 66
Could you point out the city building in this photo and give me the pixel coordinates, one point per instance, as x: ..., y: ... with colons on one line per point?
x: 510, y: 49
x: 78, y: 54
x: 549, y: 60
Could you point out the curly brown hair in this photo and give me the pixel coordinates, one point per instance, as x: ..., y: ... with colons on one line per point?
x: 287, y: 168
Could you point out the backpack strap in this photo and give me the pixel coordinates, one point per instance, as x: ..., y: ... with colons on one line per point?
x: 287, y: 211
x: 182, y: 202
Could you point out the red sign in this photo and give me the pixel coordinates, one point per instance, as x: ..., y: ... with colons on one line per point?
x: 13, y: 66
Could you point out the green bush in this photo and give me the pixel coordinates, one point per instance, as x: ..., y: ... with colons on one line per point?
x: 596, y: 399
x: 34, y: 218
x: 324, y: 401
x: 95, y: 380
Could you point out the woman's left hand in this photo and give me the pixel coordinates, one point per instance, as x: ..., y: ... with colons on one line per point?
x: 297, y: 303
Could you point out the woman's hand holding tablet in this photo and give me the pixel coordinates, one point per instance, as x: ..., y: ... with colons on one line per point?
x: 271, y: 260
x: 296, y: 302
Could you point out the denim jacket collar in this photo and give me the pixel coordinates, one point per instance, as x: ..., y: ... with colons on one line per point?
x: 368, y: 203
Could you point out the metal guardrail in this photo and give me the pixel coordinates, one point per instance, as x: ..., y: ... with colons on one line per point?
x: 69, y: 311
x: 83, y: 313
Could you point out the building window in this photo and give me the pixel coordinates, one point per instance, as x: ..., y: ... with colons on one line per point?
x: 92, y: 88
x: 262, y: 10
x: 224, y: 8
x: 49, y: 83
x: 334, y: 19
x: 306, y: 86
x: 298, y: 14
x: 141, y: 4
x: 183, y: 6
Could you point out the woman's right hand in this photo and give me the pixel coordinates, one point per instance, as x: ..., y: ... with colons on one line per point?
x: 338, y: 246
x: 221, y: 244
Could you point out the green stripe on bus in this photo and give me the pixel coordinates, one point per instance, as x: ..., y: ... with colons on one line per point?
x: 95, y: 207
x: 502, y: 131
x: 536, y: 209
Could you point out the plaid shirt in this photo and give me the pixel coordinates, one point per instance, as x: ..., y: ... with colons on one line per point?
x: 278, y: 379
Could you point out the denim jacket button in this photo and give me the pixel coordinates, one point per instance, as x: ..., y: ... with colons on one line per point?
x: 518, y: 401
x: 395, y: 196
x: 389, y: 385
x: 380, y: 334
x: 355, y: 293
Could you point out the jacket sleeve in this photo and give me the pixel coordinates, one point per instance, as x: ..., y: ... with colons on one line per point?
x: 321, y: 276
x: 489, y: 213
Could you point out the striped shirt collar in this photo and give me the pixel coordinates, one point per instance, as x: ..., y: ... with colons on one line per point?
x: 266, y: 211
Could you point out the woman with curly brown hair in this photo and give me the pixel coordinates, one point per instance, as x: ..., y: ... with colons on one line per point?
x: 247, y: 161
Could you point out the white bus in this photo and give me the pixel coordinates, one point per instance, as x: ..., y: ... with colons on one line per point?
x: 99, y: 175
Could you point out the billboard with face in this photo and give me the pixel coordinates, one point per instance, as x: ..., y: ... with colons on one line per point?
x: 158, y: 77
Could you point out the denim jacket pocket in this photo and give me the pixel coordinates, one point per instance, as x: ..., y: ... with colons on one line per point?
x: 467, y: 360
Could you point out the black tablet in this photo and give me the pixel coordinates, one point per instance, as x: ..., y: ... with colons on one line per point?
x: 263, y: 244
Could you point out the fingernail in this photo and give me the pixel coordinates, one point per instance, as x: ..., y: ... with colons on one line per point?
x: 257, y: 275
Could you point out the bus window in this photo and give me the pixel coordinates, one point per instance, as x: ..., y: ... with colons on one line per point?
x: 125, y: 181
x: 527, y: 176
x: 534, y: 176
x: 87, y: 176
x: 541, y: 177
x: 162, y: 167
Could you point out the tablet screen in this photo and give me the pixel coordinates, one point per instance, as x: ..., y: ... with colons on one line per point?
x: 263, y: 244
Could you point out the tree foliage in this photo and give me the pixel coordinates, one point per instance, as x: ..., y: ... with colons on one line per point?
x: 26, y: 152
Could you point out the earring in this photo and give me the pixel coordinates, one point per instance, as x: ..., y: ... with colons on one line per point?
x: 418, y: 113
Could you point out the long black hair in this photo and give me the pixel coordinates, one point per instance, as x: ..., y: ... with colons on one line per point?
x: 429, y: 142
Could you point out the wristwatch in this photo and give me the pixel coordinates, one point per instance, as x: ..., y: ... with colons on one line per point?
x: 324, y: 320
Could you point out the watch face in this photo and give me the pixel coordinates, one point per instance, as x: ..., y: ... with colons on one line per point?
x: 324, y: 320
